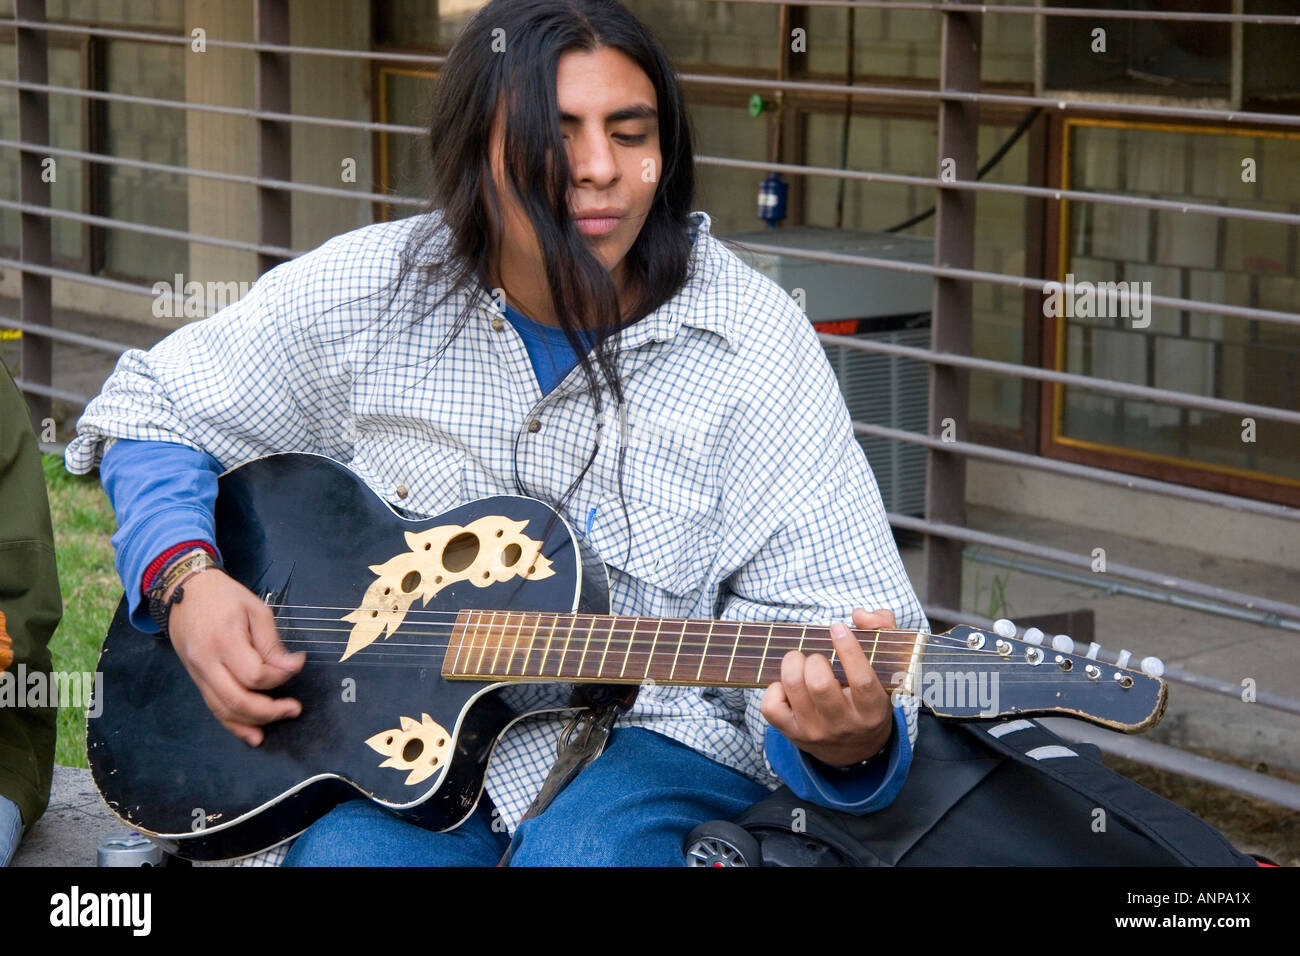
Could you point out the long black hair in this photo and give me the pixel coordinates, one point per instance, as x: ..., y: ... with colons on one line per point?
x: 506, y: 60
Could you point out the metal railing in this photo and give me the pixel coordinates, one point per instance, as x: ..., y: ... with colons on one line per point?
x: 956, y: 99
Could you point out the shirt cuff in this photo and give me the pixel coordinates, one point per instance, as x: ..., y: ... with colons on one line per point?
x: 864, y: 789
x: 162, y: 494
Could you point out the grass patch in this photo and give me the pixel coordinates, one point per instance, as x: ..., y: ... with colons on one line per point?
x: 83, y: 526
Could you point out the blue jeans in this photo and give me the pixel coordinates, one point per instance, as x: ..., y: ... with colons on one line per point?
x: 632, y: 806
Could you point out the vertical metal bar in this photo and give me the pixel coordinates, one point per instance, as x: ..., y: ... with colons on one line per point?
x: 271, y: 93
x: 34, y: 228
x: 954, y: 244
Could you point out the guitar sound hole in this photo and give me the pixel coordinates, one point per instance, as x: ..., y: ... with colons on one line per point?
x: 412, y: 750
x: 511, y: 554
x: 460, y: 552
x: 411, y: 581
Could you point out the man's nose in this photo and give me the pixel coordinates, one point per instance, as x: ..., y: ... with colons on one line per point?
x: 591, y: 159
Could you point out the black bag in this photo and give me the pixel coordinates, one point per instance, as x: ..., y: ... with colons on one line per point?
x: 993, y: 793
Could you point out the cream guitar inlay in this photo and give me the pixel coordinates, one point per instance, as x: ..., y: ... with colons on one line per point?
x: 485, y: 551
x: 418, y: 747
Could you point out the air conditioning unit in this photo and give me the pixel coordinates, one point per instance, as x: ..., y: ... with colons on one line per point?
x: 880, y: 304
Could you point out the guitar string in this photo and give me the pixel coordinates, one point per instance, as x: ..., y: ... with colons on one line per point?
x: 454, y: 617
x: 418, y: 659
x: 611, y: 645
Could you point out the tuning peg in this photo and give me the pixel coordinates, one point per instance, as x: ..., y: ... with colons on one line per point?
x: 1063, y: 643
x: 1122, y: 660
x: 1034, y: 636
x: 1152, y: 666
x: 1093, y: 650
x: 1004, y: 628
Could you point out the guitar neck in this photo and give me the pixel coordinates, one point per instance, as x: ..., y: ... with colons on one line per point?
x: 612, y: 649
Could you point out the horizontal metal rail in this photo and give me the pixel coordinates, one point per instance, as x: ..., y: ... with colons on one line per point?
x: 38, y: 389
x: 1166, y: 582
x: 367, y: 126
x: 1173, y: 672
x: 240, y: 178
x: 998, y: 99
x: 933, y: 6
x: 1072, y: 469
x: 62, y: 335
x: 1175, y: 760
x: 109, y: 223
x: 55, y: 272
x: 1091, y: 13
x: 1014, y: 369
x: 1032, y: 192
x: 765, y: 82
x: 1019, y: 282
x: 177, y: 39
x: 1155, y: 595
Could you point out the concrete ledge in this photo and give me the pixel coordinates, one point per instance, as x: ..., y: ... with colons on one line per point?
x: 73, y: 825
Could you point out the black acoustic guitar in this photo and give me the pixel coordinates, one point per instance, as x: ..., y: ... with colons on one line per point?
x: 426, y: 639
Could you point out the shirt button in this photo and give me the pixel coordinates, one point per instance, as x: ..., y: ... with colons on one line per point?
x: 401, y: 491
x: 535, y: 425
x: 497, y: 324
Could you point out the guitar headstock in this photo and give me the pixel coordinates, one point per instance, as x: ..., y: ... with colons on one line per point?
x: 970, y: 672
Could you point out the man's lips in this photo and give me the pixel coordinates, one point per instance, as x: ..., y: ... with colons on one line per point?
x: 596, y: 224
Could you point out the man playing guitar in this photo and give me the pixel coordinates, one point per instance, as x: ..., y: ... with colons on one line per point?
x: 560, y: 325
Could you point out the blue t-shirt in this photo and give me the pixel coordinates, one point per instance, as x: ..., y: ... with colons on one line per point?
x: 550, y: 352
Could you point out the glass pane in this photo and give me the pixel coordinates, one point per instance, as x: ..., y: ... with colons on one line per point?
x: 67, y: 130
x: 1007, y: 50
x: 422, y: 24
x: 148, y: 133
x: 881, y: 144
x: 407, y: 96
x: 719, y: 34
x: 1234, y: 261
x: 885, y: 42
x: 729, y: 196
x: 150, y: 13
x: 1154, y: 57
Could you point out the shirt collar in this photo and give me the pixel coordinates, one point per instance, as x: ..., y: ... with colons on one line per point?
x: 696, y: 304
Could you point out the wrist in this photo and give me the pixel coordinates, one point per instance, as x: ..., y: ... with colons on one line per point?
x: 167, y: 588
x: 839, y: 761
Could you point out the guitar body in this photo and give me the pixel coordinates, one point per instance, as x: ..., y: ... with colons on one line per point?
x: 301, y: 531
x: 425, y: 639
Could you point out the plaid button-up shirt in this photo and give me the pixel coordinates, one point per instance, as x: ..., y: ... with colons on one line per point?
x: 747, y: 495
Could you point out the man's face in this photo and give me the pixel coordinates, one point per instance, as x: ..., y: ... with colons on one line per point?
x: 608, y: 113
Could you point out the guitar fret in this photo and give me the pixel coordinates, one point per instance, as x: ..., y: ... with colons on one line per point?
x: 731, y: 663
x: 464, y: 635
x: 541, y: 664
x: 532, y: 640
x: 874, y: 644
x: 631, y: 639
x: 585, y: 645
x: 497, y: 655
x: 609, y: 636
x: 651, y: 656
x: 803, y: 633
x: 762, y: 661
x: 559, y: 671
x: 478, y: 668
x: 672, y: 671
x: 704, y: 653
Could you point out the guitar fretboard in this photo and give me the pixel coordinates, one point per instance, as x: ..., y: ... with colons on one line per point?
x: 529, y: 645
